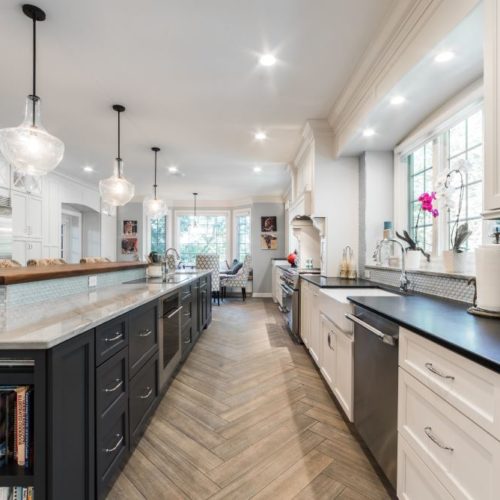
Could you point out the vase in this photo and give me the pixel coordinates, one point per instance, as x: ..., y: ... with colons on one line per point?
x: 413, y: 259
x: 454, y: 262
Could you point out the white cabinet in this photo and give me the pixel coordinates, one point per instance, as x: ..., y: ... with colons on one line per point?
x: 344, y: 378
x: 492, y: 109
x: 26, y: 216
x: 328, y: 358
x: 276, y: 281
x: 305, y: 312
x: 24, y: 250
x: 314, y: 332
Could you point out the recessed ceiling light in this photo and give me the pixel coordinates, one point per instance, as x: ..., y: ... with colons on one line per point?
x: 368, y: 132
x: 445, y: 56
x: 397, y: 99
x: 88, y: 168
x: 267, y: 60
x: 173, y: 169
x: 257, y: 170
x: 260, y: 136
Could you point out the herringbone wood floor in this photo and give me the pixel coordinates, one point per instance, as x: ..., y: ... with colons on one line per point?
x: 247, y: 416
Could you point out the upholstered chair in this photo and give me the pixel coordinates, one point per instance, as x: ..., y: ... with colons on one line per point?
x: 210, y: 261
x: 239, y: 280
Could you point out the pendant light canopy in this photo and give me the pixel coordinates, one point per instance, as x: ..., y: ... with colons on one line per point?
x: 153, y: 207
x: 29, y: 147
x: 116, y: 190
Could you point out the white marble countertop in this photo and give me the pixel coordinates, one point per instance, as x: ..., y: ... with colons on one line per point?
x: 46, y: 324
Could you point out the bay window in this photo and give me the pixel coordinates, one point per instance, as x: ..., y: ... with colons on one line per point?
x: 242, y: 230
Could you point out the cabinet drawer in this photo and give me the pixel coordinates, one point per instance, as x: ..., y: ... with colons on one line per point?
x: 143, y: 335
x: 187, y: 293
x: 464, y: 457
x: 469, y: 387
x: 110, y: 338
x: 112, y: 381
x: 186, y: 313
x: 415, y: 479
x: 112, y: 446
x: 143, y: 393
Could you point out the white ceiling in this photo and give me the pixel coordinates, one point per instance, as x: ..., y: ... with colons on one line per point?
x: 426, y: 87
x: 187, y: 71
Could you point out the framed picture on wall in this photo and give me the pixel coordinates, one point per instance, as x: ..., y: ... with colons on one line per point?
x: 130, y: 228
x: 130, y: 246
x: 268, y: 224
x: 269, y: 241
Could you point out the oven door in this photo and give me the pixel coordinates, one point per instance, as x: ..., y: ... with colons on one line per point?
x: 287, y: 309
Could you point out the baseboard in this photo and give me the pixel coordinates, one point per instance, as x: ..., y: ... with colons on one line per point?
x: 266, y: 295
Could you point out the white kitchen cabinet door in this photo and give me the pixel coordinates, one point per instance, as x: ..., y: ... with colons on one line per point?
x: 34, y: 217
x: 314, y: 334
x: 328, y: 351
x: 19, y: 251
x: 33, y: 250
x: 305, y: 312
x: 344, y: 376
x: 19, y: 203
x: 492, y: 109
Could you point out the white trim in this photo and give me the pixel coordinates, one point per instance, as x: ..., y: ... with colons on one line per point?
x: 235, y: 214
x: 266, y: 295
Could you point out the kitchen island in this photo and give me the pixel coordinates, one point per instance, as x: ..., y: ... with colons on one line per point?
x: 96, y: 364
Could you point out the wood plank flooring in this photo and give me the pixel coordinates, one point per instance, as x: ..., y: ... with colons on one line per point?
x: 248, y: 416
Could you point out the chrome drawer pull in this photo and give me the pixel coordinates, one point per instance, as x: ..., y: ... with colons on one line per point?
x: 187, y: 341
x: 172, y: 314
x: 115, y: 447
x: 330, y: 341
x: 431, y: 368
x: 188, y: 314
x: 146, y: 396
x: 145, y: 333
x: 435, y: 440
x: 119, y: 383
x: 118, y: 336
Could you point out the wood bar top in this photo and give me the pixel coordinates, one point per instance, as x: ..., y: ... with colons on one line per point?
x: 15, y: 275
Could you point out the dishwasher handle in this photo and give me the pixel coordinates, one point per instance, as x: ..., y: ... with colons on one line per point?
x: 387, y: 339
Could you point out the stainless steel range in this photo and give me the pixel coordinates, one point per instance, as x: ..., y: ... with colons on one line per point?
x: 290, y: 287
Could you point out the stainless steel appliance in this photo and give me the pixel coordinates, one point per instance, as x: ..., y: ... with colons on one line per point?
x: 5, y: 228
x: 290, y: 287
x: 376, y: 386
x: 169, y: 336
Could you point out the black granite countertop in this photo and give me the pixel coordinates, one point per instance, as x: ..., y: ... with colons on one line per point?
x: 445, y: 322
x: 323, y: 282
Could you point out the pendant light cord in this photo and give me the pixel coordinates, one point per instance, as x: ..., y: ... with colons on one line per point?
x: 34, y: 97
x: 155, y: 185
x: 119, y: 133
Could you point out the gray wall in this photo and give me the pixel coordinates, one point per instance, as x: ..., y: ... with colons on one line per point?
x: 262, y: 258
x: 131, y: 211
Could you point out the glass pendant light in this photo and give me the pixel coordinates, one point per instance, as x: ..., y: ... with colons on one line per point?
x: 195, y: 231
x: 153, y: 207
x: 116, y: 190
x: 29, y: 147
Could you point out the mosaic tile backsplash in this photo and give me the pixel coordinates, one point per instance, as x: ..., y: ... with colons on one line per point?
x: 448, y: 287
x: 40, y: 291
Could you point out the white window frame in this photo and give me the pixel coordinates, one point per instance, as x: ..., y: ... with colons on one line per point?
x: 148, y: 231
x: 208, y: 212
x: 239, y: 213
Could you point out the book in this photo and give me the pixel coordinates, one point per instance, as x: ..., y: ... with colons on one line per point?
x: 20, y: 425
x: 3, y: 429
x: 28, y: 428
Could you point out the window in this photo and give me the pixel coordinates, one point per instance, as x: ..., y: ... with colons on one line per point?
x: 158, y: 234
x: 210, y: 236
x: 420, y: 173
x: 463, y: 140
x: 243, y: 233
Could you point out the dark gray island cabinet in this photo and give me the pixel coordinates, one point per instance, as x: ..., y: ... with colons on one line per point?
x: 93, y: 396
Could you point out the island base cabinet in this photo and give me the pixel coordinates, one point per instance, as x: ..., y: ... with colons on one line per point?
x: 71, y: 417
x: 415, y: 479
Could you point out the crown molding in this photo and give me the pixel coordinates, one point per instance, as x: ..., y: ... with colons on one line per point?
x: 412, y: 29
x: 313, y: 129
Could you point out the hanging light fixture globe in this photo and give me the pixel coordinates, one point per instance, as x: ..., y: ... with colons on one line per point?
x: 116, y: 190
x: 29, y: 147
x: 153, y: 207
x: 195, y: 231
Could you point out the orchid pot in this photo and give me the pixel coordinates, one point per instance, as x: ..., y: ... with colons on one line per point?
x: 413, y: 258
x: 454, y: 262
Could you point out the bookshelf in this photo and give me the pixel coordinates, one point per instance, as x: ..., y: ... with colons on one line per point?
x: 27, y: 368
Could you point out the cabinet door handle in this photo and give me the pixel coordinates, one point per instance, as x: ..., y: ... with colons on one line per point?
x: 187, y: 315
x: 148, y: 393
x: 431, y: 368
x: 188, y: 341
x: 172, y: 314
x: 118, y: 336
x: 330, y: 340
x: 119, y: 383
x: 436, y: 440
x: 115, y: 447
x: 145, y: 333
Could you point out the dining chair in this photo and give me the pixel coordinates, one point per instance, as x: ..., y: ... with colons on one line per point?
x: 240, y: 279
x: 210, y: 261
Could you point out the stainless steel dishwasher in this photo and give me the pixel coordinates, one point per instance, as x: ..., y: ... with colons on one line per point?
x: 376, y: 386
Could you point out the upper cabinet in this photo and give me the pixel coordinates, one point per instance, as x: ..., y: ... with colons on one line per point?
x: 492, y: 110
x: 26, y: 215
